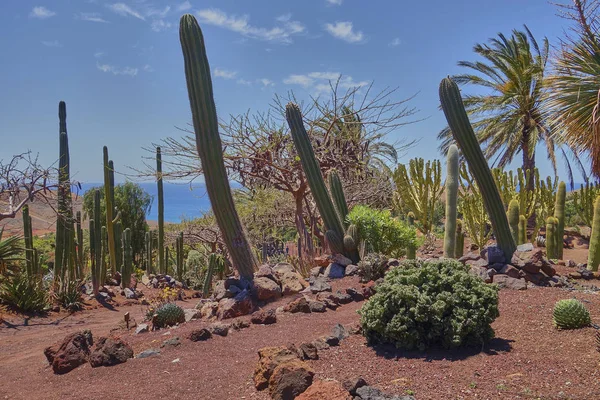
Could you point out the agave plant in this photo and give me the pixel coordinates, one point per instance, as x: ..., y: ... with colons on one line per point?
x: 10, y: 249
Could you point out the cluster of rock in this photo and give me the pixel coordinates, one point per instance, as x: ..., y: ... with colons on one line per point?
x: 76, y: 349
x: 527, y: 266
x: 333, y: 266
x: 235, y: 297
x: 286, y: 373
x: 161, y: 281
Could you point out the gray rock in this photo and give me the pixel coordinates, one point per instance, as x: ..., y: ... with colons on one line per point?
x: 200, y: 335
x: 352, y: 270
x: 334, y: 271
x: 316, y: 271
x: 340, y: 332
x: 317, y: 306
x: 148, y: 353
x: 332, y: 341
x: 266, y: 289
x: 319, y: 284
x: 282, y: 268
x: 494, y: 254
x: 308, y: 351
x: 525, y: 247
x: 370, y: 393
x: 351, y: 385
x: 469, y: 257
x: 141, y: 328
x: 340, y: 259
x: 479, y: 272
x: 129, y: 294
x: 342, y: 298
x: 219, y: 329
x: 490, y: 275
x: 497, y: 266
x: 173, y: 342
x: 505, y: 281
x: 192, y: 313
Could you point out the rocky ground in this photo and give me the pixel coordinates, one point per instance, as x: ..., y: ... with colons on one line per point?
x: 527, y: 359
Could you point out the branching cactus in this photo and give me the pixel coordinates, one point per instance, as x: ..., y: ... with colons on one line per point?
x: 509, y: 186
x: 594, y: 253
x: 452, y: 176
x: 513, y: 219
x: 127, y: 266
x: 583, y: 200
x: 559, y: 214
x: 462, y: 131
x: 418, y: 188
x: 210, y: 149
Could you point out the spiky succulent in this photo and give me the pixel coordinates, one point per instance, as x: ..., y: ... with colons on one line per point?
x: 168, y: 314
x: 570, y: 314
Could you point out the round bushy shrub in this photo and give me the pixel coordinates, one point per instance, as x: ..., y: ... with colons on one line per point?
x: 427, y: 303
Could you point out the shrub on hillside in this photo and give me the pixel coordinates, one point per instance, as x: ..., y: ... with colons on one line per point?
x: 427, y: 303
x: 381, y: 232
x: 372, y: 267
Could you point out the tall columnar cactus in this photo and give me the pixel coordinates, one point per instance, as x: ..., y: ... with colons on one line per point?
x: 460, y: 240
x: 215, y: 263
x: 96, y: 245
x: 513, y: 215
x: 167, y: 260
x: 148, y: 247
x: 351, y: 243
x: 337, y: 194
x: 583, y: 200
x: 179, y: 259
x: 104, y: 241
x: 210, y: 149
x: 118, y: 228
x: 108, y: 200
x: 451, y: 201
x: 336, y: 244
x: 418, y: 188
x: 411, y: 250
x: 127, y: 266
x: 594, y: 253
x: 551, y: 237
x: 162, y: 263
x: 559, y: 214
x: 522, y: 229
x: 79, y: 235
x: 28, y: 239
x: 65, y: 235
x: 462, y: 131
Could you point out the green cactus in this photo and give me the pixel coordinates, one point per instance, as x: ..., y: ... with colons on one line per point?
x: 546, y: 200
x: 108, y: 200
x: 550, y: 238
x: 583, y: 201
x: 594, y: 252
x: 452, y: 175
x: 460, y: 240
x: 337, y: 194
x: 461, y: 129
x: 336, y: 243
x: 168, y: 314
x: 127, y: 266
x: 179, y: 259
x: 93, y: 250
x: 510, y: 185
x: 559, y: 214
x: 215, y: 263
x: 418, y: 188
x: 148, y: 241
x: 522, y: 229
x: 64, y: 260
x: 161, y: 261
x: 411, y: 250
x: 118, y: 229
x: 513, y: 215
x: 167, y: 260
x: 96, y: 246
x: 79, y: 235
x: 472, y: 208
x: 210, y: 149
x: 28, y: 241
x: 104, y: 253
x: 570, y: 314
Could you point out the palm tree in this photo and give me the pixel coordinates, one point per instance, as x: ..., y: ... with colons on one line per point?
x: 510, y: 117
x: 575, y: 84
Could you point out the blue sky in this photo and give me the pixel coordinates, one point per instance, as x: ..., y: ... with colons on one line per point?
x: 118, y: 65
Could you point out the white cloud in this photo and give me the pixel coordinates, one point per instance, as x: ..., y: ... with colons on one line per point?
x: 124, y: 10
x: 99, y: 54
x: 320, y: 82
x: 41, y: 13
x: 335, y: 2
x: 54, y: 43
x: 266, y: 82
x: 222, y: 73
x: 344, y: 31
x: 148, y: 68
x: 159, y: 25
x: 244, y: 82
x: 92, y: 17
x: 116, y: 70
x: 186, y: 5
x: 395, y: 42
x: 241, y: 25
x: 152, y: 12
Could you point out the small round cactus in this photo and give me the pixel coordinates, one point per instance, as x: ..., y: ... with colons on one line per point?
x: 570, y: 314
x: 168, y: 314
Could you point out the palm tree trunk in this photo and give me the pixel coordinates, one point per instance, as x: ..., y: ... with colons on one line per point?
x: 528, y: 164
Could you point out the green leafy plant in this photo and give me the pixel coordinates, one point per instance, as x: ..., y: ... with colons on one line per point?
x: 168, y: 314
x: 426, y: 303
x: 381, y: 232
x: 19, y: 292
x: 372, y: 267
x: 570, y: 314
x: 70, y: 296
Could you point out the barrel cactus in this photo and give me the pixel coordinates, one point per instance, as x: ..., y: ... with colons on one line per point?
x: 168, y: 314
x: 570, y: 314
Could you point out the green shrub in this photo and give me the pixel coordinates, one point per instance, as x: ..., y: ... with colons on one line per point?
x: 422, y: 304
x: 168, y: 314
x: 17, y: 291
x: 71, y: 297
x: 372, y: 267
x: 381, y: 232
x: 195, y: 269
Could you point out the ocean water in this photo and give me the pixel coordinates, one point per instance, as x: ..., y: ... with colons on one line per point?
x: 181, y: 200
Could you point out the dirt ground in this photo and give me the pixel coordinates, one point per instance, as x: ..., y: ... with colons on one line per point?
x: 528, y: 359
